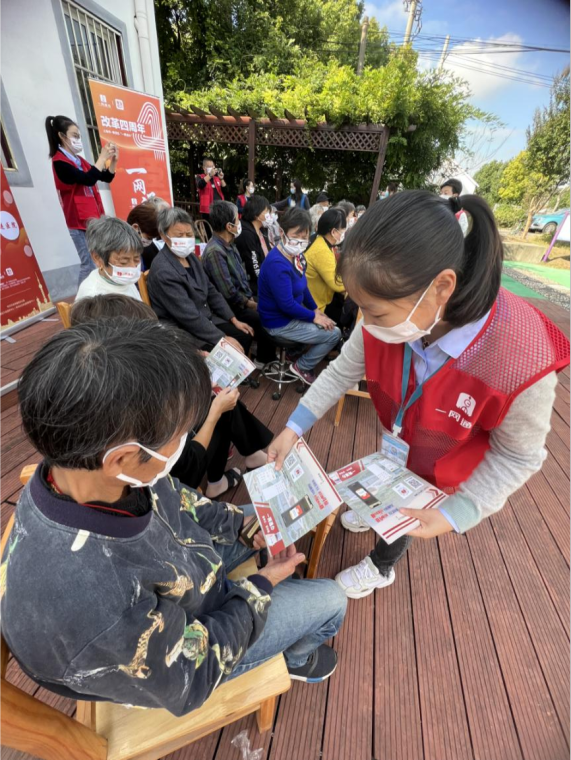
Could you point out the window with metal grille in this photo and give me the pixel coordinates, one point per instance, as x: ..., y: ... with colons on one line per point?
x: 97, y: 53
x: 8, y: 161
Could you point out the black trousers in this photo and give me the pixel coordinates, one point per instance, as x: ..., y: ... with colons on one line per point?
x: 266, y: 348
x: 238, y: 426
x: 243, y: 338
x: 334, y: 309
x: 384, y: 556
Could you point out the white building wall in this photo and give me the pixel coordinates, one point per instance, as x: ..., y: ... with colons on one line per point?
x: 38, y: 81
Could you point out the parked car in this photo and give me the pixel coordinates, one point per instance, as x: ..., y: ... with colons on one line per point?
x: 548, y: 222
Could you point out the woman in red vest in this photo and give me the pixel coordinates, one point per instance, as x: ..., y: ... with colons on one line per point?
x: 209, y: 184
x: 76, y: 182
x: 461, y: 372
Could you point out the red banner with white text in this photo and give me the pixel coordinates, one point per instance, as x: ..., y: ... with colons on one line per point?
x: 132, y: 120
x: 23, y: 291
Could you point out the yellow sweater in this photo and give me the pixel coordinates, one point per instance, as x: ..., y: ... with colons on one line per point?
x: 320, y: 273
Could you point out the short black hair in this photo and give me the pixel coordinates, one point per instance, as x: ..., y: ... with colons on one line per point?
x: 105, y: 383
x: 221, y: 214
x: 455, y: 184
x: 392, y: 187
x: 108, y: 234
x: 403, y: 243
x: 254, y: 207
x: 322, y: 197
x: 295, y: 218
x: 109, y: 306
x: 332, y: 219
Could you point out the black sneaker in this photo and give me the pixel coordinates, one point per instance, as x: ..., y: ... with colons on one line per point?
x: 320, y: 665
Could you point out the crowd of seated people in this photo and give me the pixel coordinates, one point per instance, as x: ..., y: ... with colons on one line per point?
x: 255, y: 282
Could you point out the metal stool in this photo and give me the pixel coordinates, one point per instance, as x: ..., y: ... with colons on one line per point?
x: 278, y: 370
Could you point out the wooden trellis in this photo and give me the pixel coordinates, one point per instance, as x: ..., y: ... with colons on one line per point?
x: 236, y: 129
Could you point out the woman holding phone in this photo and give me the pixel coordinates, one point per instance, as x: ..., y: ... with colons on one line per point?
x: 76, y: 181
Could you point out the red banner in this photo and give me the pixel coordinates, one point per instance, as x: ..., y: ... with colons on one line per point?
x: 132, y: 120
x: 23, y: 290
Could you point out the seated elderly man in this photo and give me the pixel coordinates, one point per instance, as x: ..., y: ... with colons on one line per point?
x: 181, y: 292
x: 116, y: 249
x: 115, y: 576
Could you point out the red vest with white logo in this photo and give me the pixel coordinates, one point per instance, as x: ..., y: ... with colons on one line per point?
x: 448, y: 428
x: 206, y: 194
x: 79, y: 202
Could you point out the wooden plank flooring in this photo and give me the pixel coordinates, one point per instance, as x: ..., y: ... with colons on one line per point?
x: 464, y: 657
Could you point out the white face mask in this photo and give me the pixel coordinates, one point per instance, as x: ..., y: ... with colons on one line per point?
x: 182, y: 247
x: 76, y: 144
x: 238, y: 230
x: 268, y: 220
x: 446, y: 197
x: 292, y: 189
x: 341, y: 237
x: 170, y: 462
x: 124, y: 275
x: 294, y: 247
x: 250, y: 189
x: 160, y: 243
x: 351, y: 222
x: 405, y: 332
x: 209, y: 170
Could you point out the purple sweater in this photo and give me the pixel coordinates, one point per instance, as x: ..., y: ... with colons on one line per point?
x: 283, y: 294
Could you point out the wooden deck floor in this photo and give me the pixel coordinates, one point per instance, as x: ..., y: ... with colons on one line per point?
x: 465, y: 657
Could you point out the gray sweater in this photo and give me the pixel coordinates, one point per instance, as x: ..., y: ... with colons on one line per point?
x: 517, y: 446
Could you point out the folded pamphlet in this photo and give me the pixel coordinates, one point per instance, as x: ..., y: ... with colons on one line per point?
x: 291, y: 502
x: 376, y: 488
x: 228, y: 366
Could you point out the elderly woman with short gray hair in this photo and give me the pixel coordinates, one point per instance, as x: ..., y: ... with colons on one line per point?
x: 181, y: 293
x: 116, y: 249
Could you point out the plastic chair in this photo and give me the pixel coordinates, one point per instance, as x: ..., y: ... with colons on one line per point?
x: 107, y: 731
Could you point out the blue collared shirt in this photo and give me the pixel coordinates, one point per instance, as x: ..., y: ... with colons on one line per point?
x: 428, y: 360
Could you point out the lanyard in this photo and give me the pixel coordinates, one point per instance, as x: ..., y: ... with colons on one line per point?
x: 406, y: 364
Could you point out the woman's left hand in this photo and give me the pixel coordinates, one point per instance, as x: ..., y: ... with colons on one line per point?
x: 243, y: 327
x: 432, y: 523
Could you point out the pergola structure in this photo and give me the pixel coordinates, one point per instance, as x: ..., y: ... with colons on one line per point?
x: 251, y: 130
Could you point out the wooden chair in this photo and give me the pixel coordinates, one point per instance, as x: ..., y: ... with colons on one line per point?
x: 64, y: 311
x: 353, y: 392
x: 341, y: 402
x: 143, y: 289
x: 106, y: 731
x: 204, y: 230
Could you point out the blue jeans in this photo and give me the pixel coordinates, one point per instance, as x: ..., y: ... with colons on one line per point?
x: 303, y: 614
x: 320, y: 341
x: 87, y: 263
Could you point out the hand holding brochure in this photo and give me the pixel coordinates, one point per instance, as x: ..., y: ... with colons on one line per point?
x: 291, y: 502
x: 376, y: 488
x: 228, y: 366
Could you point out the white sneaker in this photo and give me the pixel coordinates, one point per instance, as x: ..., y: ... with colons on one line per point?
x: 362, y: 579
x: 351, y: 521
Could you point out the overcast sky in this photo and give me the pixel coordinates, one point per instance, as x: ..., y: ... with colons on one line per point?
x: 543, y: 23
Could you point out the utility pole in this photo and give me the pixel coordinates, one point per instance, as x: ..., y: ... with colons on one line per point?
x: 411, y: 19
x: 444, y: 51
x: 363, y: 45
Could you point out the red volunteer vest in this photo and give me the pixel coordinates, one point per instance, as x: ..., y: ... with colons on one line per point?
x: 206, y: 194
x: 77, y: 202
x: 448, y: 428
x: 243, y: 200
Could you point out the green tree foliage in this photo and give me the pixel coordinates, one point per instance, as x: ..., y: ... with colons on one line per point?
x: 301, y: 56
x: 532, y: 178
x: 489, y: 178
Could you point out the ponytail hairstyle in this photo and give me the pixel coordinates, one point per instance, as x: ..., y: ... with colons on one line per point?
x: 55, y: 125
x: 403, y: 243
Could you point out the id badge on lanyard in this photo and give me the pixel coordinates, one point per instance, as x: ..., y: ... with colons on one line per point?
x: 393, y: 446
